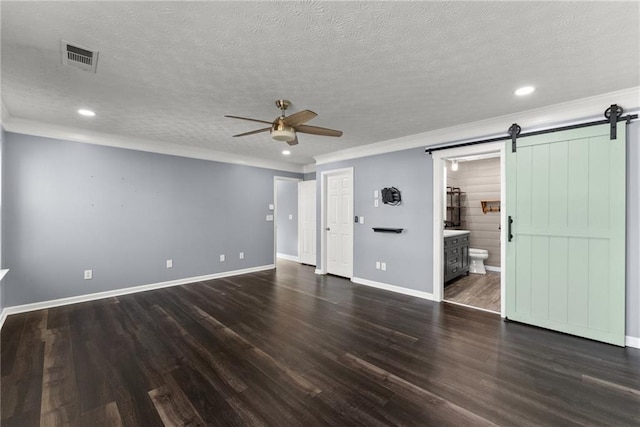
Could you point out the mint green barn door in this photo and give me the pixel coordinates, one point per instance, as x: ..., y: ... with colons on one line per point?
x: 566, y: 258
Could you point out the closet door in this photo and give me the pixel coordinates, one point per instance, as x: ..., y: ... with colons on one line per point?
x: 566, y: 256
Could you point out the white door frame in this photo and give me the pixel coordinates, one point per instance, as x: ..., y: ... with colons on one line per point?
x: 300, y: 221
x: 275, y: 212
x: 324, y: 178
x: 439, y: 206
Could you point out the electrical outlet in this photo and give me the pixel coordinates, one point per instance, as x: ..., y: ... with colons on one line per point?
x: 88, y: 274
x: 377, y: 265
x: 241, y: 255
x: 169, y: 263
x: 221, y: 257
x: 269, y: 217
x: 383, y: 266
x: 290, y: 216
x: 361, y: 220
x: 376, y: 203
x: 375, y: 194
x: 271, y: 207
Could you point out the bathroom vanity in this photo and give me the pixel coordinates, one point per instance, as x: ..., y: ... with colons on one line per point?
x: 456, y: 253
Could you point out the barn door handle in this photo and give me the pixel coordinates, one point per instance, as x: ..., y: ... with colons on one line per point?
x: 328, y: 229
x: 510, y: 221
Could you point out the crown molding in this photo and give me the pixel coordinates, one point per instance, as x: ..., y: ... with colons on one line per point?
x: 30, y: 127
x: 311, y: 167
x: 530, y: 120
x: 5, y: 113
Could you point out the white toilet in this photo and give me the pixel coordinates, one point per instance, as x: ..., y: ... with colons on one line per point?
x: 476, y: 260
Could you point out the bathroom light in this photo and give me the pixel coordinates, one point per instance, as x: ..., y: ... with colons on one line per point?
x: 86, y: 113
x: 526, y: 90
x: 454, y: 165
x: 286, y: 152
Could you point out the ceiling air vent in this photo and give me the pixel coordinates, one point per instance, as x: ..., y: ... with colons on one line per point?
x: 77, y: 56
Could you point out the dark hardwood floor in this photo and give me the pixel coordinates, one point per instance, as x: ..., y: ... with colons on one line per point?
x: 476, y: 290
x: 290, y: 348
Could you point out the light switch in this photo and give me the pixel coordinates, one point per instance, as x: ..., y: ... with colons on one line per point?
x: 270, y: 207
x: 375, y: 194
x: 290, y: 216
x: 269, y: 217
x: 361, y: 220
x: 376, y: 203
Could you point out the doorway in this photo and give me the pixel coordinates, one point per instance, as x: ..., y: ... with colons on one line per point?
x: 286, y: 218
x: 468, y: 218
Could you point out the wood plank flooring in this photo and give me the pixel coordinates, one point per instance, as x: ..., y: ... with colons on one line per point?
x: 287, y: 348
x: 476, y: 290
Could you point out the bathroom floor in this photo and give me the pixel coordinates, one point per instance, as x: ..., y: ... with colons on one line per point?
x: 477, y: 290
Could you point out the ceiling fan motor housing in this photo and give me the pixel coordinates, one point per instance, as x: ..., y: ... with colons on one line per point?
x: 282, y: 132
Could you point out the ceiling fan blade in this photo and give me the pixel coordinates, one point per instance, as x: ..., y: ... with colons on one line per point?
x: 252, y: 132
x: 299, y: 118
x: 315, y: 130
x: 294, y: 142
x: 246, y: 118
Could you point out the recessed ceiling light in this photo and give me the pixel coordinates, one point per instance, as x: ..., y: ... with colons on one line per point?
x: 526, y: 90
x: 286, y: 152
x: 86, y: 113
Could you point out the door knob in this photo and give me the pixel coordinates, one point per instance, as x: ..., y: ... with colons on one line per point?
x: 328, y: 229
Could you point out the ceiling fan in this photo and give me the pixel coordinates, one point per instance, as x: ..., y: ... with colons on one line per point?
x: 284, y: 128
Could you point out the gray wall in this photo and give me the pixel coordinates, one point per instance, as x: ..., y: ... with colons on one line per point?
x: 1, y: 263
x: 633, y: 230
x: 287, y: 217
x: 408, y: 255
x: 309, y: 176
x: 70, y: 206
x: 479, y: 180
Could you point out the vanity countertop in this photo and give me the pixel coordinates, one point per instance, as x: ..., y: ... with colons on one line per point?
x: 450, y: 233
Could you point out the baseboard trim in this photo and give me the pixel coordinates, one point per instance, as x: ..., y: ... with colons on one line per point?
x: 3, y: 317
x: 318, y: 271
x: 632, y: 341
x: 288, y: 257
x: 492, y: 268
x: 393, y: 288
x: 125, y: 291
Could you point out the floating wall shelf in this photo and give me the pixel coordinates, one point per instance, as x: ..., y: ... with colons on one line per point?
x: 387, y: 230
x: 490, y: 206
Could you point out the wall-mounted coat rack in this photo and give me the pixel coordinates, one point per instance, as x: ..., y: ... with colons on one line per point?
x: 490, y: 206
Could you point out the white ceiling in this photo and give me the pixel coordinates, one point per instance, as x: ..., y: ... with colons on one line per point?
x: 170, y: 71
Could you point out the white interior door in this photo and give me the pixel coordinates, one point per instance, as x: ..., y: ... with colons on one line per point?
x: 307, y: 222
x: 339, y: 223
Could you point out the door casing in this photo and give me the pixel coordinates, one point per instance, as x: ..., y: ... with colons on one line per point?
x: 439, y: 207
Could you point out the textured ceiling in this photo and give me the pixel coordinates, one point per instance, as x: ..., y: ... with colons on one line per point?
x: 169, y: 71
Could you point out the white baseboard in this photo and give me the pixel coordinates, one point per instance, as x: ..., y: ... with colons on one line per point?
x: 632, y: 341
x: 393, y: 288
x: 3, y: 317
x: 492, y: 268
x: 125, y: 291
x: 288, y: 257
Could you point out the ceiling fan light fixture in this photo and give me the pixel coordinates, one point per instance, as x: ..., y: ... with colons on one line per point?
x: 282, y: 132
